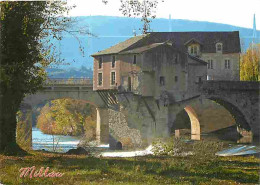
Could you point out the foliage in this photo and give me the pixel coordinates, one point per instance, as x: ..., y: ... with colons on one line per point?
x: 22, y: 27
x: 249, y: 64
x: 199, y: 150
x: 68, y: 117
x: 26, y: 29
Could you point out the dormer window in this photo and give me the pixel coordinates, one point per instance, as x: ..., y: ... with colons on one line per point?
x: 193, y: 46
x: 194, y: 50
x: 219, y: 47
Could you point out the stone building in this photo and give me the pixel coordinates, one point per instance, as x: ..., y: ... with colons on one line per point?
x: 119, y: 66
x: 156, y: 72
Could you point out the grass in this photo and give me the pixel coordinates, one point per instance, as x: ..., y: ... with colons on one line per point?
x: 137, y: 170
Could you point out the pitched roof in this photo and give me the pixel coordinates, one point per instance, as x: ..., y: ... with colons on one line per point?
x: 208, y: 40
x: 197, y: 59
x: 141, y: 49
x: 120, y: 46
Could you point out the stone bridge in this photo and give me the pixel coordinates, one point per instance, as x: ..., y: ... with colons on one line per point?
x: 240, y: 98
x: 79, y: 89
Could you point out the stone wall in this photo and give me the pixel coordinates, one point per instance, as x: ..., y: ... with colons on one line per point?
x: 120, y: 131
x: 139, y: 120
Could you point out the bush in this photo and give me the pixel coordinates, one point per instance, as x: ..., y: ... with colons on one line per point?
x: 204, y: 150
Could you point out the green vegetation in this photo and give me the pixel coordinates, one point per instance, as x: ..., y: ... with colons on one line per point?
x: 139, y: 170
x: 249, y: 64
x: 25, y: 49
x: 68, y: 117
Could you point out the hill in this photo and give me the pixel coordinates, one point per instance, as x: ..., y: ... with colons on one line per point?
x: 109, y: 30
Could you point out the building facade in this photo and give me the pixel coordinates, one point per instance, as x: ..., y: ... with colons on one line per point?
x: 168, y: 60
x: 154, y: 70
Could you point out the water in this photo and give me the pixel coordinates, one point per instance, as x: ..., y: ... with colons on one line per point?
x: 45, y: 141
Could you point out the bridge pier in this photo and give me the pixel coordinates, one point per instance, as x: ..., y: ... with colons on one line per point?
x: 195, y: 124
x: 102, y: 130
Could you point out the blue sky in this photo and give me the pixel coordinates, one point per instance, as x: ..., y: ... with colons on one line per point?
x: 234, y: 12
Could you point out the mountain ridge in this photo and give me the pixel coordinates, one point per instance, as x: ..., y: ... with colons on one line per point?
x: 109, y: 30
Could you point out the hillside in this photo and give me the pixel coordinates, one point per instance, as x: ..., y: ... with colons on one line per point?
x: 110, y: 30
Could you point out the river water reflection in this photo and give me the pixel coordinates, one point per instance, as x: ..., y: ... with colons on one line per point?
x: 59, y: 144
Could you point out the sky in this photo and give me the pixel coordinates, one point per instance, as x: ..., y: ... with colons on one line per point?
x: 233, y: 12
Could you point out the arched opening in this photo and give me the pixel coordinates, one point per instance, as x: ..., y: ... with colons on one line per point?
x: 83, y: 124
x: 234, y: 111
x: 214, y: 119
x: 187, y: 123
x: 241, y: 128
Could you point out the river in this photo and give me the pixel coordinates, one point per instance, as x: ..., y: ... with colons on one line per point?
x: 45, y: 141
x: 64, y: 143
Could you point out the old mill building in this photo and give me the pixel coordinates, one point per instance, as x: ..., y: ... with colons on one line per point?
x: 167, y: 61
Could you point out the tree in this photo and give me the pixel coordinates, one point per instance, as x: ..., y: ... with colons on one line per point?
x: 26, y: 28
x: 249, y: 64
x: 144, y: 8
x: 68, y: 117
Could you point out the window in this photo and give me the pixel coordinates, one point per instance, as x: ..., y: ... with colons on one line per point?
x: 113, y: 78
x: 113, y: 61
x: 176, y: 78
x: 210, y: 64
x: 99, y: 78
x: 191, y: 50
x: 134, y: 62
x: 195, y: 50
x: 227, y: 64
x: 100, y: 62
x: 162, y: 81
x: 219, y: 47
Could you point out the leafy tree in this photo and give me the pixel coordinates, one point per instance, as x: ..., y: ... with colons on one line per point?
x: 25, y: 29
x: 249, y: 64
x: 68, y: 117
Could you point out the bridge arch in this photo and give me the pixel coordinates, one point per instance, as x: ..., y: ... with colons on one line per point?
x: 239, y: 117
x: 198, y: 112
x: 77, y: 92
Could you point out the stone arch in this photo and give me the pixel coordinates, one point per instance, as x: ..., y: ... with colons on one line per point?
x: 194, y: 121
x: 198, y: 119
x: 187, y: 122
x: 236, y: 113
x: 88, y: 96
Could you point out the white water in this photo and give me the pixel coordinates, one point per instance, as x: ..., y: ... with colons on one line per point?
x: 147, y: 151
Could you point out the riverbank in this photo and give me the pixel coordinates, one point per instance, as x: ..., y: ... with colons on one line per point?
x: 135, y: 170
